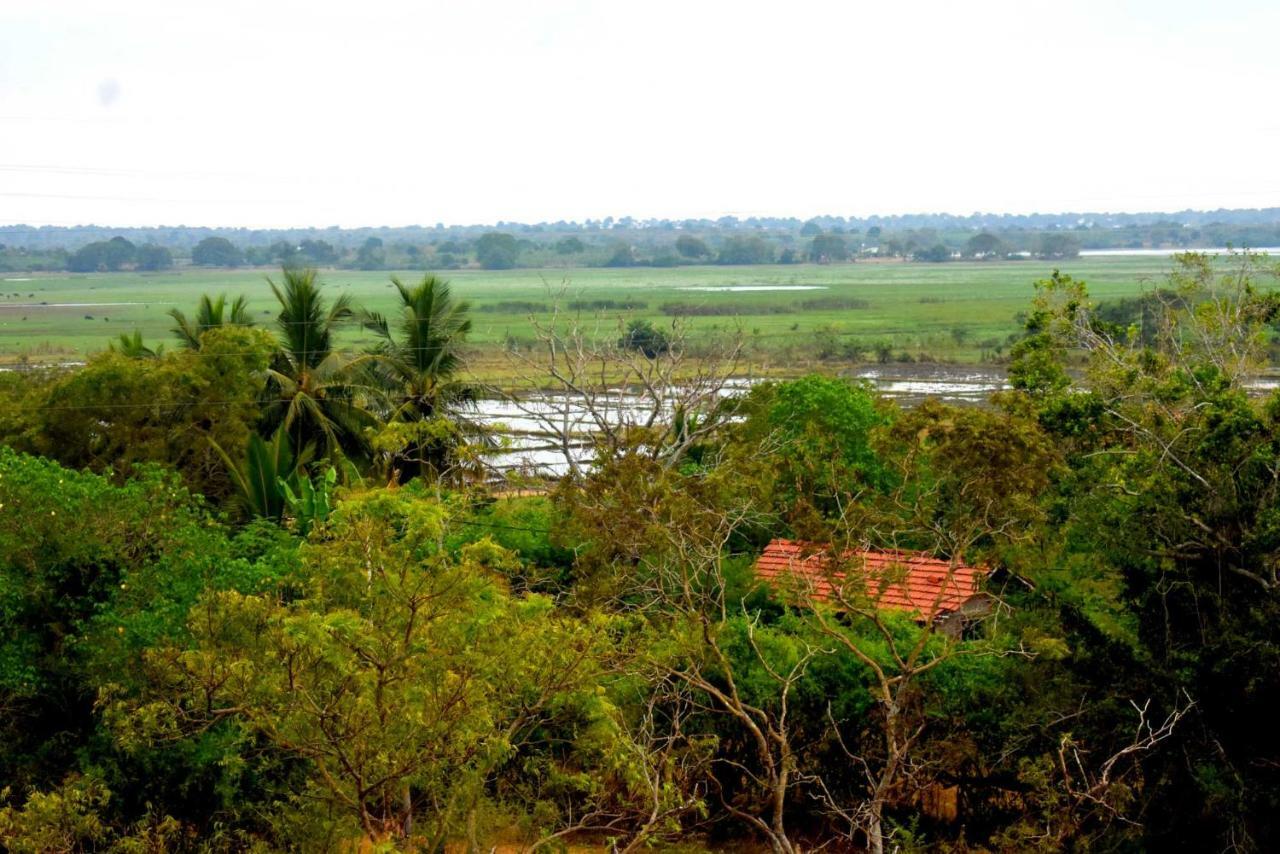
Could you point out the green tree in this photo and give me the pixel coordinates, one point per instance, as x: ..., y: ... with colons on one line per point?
x: 119, y: 412
x: 691, y: 247
x: 935, y: 254
x: 151, y: 257
x: 985, y: 245
x: 622, y: 256
x: 816, y: 434
x: 317, y: 252
x: 91, y: 572
x: 107, y: 255
x: 826, y: 248
x: 497, y: 251
x: 402, y: 677
x: 371, y: 255
x: 745, y: 250
x: 216, y: 252
x: 1166, y: 551
x: 1055, y: 245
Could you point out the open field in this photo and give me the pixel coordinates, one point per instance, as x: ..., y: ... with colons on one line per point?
x: 955, y: 311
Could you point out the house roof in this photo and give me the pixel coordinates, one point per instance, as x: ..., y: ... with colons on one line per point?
x: 895, y: 580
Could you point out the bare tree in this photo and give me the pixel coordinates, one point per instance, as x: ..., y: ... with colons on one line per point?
x: 1084, y: 793
x: 689, y: 586
x: 599, y: 385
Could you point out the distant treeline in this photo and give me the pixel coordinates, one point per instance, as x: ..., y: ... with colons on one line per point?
x: 678, y: 309
x: 627, y: 242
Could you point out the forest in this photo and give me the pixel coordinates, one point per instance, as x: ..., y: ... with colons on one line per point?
x: 261, y: 593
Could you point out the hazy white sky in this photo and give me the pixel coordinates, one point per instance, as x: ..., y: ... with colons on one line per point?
x: 271, y: 113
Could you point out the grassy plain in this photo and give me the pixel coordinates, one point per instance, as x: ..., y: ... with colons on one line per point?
x: 954, y: 311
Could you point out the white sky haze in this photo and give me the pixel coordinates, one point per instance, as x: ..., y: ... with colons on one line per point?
x: 392, y: 113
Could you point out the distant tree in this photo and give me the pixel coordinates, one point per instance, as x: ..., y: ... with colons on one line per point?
x: 873, y: 233
x: 317, y: 252
x: 691, y: 247
x: 788, y: 256
x: 984, y: 245
x: 86, y: 259
x: 284, y: 253
x: 151, y: 257
x: 109, y: 255
x: 935, y: 254
x: 216, y: 252
x: 569, y: 246
x: 622, y: 256
x: 810, y: 229
x: 256, y: 256
x: 644, y: 336
x: 826, y: 248
x: 745, y: 250
x: 497, y: 251
x: 371, y: 255
x: 118, y: 253
x: 1055, y: 245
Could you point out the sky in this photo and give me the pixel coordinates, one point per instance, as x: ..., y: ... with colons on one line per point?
x: 395, y: 112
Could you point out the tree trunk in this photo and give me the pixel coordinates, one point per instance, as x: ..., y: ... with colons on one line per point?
x: 407, y: 825
x: 875, y: 831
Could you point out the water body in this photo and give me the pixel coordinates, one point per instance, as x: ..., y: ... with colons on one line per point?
x: 910, y: 384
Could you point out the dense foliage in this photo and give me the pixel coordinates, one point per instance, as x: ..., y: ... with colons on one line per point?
x: 254, y: 597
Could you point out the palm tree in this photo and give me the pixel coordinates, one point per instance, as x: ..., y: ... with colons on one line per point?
x: 210, y: 314
x: 316, y: 400
x: 132, y: 346
x: 418, y: 367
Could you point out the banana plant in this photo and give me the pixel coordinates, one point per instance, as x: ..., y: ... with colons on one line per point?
x: 257, y: 479
x: 311, y: 504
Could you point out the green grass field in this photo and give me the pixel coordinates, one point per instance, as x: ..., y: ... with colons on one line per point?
x: 951, y: 311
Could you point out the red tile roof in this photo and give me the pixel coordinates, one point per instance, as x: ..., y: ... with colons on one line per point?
x: 896, y: 580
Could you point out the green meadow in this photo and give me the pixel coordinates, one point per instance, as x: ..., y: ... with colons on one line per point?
x: 958, y: 311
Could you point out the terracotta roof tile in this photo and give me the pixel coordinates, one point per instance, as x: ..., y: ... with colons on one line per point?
x: 896, y: 580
